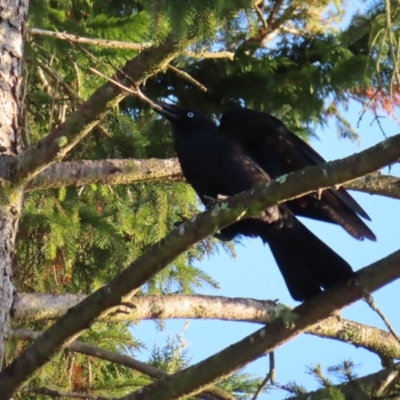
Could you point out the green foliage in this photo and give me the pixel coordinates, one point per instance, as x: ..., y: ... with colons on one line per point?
x: 200, y: 20
x: 242, y: 386
x: 173, y: 356
x: 74, y: 372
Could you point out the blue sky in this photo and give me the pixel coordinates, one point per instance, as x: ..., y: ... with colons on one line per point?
x: 254, y: 274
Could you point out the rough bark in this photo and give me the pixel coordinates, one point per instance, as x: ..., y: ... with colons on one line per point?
x: 36, y: 307
x: 110, y: 172
x: 124, y: 172
x: 250, y: 203
x: 383, y: 185
x: 39, y: 307
x: 12, y: 24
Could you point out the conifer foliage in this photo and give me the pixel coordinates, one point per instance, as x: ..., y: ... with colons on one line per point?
x: 294, y: 59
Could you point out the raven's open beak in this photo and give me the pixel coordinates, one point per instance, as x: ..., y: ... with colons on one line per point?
x: 169, y: 111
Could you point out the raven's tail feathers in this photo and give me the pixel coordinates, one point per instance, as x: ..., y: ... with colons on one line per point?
x: 306, y: 263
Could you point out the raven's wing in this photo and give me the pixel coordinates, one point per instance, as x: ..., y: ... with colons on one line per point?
x: 279, y: 151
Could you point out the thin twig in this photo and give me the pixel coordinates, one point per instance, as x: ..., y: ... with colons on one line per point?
x: 55, y: 394
x: 187, y: 77
x: 365, y: 108
x: 93, y: 57
x: 269, y: 378
x: 78, y: 78
x: 211, y: 54
x: 136, y: 92
x: 379, y: 124
x: 57, y: 78
x: 370, y: 301
x: 261, y: 17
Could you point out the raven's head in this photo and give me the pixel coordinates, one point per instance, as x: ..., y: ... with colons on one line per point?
x: 184, y: 120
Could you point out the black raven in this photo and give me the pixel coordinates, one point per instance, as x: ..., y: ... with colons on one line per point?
x: 279, y: 151
x: 216, y: 165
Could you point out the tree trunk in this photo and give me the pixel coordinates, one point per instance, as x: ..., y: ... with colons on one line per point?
x: 12, y: 24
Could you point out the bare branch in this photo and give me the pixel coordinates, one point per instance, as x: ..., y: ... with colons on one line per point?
x: 57, y: 78
x: 116, y: 44
x: 187, y: 77
x: 260, y: 15
x: 244, y: 205
x: 383, y: 185
x: 370, y: 301
x: 370, y: 338
x: 270, y: 377
x: 211, y: 54
x: 124, y: 172
x: 37, y: 307
x: 110, y: 172
x: 56, y: 394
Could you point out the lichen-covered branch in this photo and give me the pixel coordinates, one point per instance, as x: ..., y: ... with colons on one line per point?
x: 212, y: 393
x: 383, y: 185
x: 247, y: 204
x: 57, y: 394
x: 117, y: 44
x: 110, y: 172
x: 37, y: 307
x: 121, y: 172
x: 368, y: 337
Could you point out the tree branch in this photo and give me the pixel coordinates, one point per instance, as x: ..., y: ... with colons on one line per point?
x: 38, y: 307
x: 117, y: 44
x: 56, y: 394
x: 370, y: 338
x: 124, y: 172
x: 384, y: 185
x: 247, y: 204
x: 110, y: 172
x: 212, y: 393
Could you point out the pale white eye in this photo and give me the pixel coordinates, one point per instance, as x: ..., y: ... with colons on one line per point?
x: 190, y: 114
